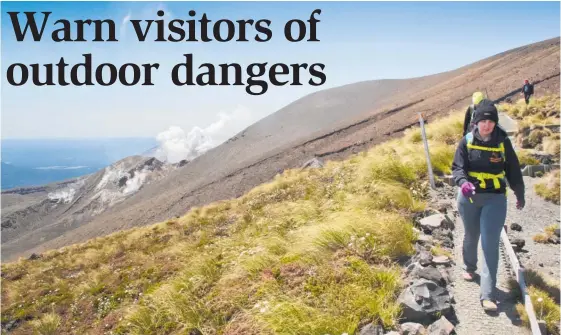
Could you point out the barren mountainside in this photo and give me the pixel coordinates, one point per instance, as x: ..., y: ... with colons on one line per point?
x: 330, y: 124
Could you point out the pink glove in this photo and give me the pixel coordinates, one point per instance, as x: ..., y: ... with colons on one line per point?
x: 468, y: 189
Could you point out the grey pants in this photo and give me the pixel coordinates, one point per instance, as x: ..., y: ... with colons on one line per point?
x: 484, y: 217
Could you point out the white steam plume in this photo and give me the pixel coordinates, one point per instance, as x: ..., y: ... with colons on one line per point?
x: 175, y: 145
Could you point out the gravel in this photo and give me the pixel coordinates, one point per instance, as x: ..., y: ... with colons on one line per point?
x: 534, y: 217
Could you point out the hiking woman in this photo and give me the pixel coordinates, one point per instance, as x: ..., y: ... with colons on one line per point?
x: 484, y: 161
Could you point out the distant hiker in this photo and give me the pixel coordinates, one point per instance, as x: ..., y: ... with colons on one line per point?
x: 476, y: 98
x: 483, y: 163
x: 528, y: 90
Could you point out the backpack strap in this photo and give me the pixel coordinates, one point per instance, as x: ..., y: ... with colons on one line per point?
x: 481, y: 176
x: 469, y: 138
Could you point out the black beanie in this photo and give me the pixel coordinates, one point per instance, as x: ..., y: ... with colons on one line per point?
x: 486, y: 110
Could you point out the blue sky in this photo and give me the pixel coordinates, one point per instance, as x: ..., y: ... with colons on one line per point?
x: 358, y: 41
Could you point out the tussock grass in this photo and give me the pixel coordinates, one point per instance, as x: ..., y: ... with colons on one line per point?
x: 540, y: 238
x: 535, y: 279
x: 48, y: 324
x: 551, y: 145
x: 544, y: 237
x: 539, y: 107
x: 541, y: 111
x: 545, y: 300
x: 313, y: 251
x: 545, y: 308
x: 525, y: 158
x: 549, y: 187
x: 537, y: 135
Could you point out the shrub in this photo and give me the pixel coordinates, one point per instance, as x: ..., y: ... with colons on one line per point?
x: 548, y: 188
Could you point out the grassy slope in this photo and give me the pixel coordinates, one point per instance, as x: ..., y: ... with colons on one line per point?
x: 314, y: 251
x: 541, y: 111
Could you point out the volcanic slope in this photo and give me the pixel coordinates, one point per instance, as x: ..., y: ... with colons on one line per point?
x: 330, y: 124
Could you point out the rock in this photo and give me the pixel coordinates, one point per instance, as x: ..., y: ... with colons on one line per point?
x: 445, y: 237
x: 525, y: 143
x: 443, y: 207
x: 411, y: 328
x: 422, y: 300
x: 449, y: 222
x: 371, y: 329
x: 410, y: 268
x: 445, y: 276
x: 448, y: 179
x: 441, y: 260
x: 440, y: 327
x: 515, y: 226
x: 541, y: 264
x: 312, y: 163
x: 433, y: 222
x: 447, y: 242
x: 556, y: 232
x: 429, y: 273
x: 425, y: 239
x: 553, y: 239
x: 392, y: 333
x: 517, y: 243
x: 34, y: 256
x: 424, y: 258
x: 12, y: 325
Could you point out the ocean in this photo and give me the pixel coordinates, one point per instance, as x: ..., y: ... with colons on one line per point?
x: 33, y: 162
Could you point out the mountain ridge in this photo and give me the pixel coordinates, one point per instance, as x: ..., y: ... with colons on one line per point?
x: 314, y: 126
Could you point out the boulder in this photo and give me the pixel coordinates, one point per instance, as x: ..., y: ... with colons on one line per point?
x: 425, y: 239
x: 411, y: 328
x: 442, y: 206
x: 441, y: 260
x: 411, y: 267
x: 372, y: 329
x: 424, y: 258
x: 433, y: 222
x: 517, y: 243
x: 423, y: 300
x: 11, y: 325
x: 556, y: 232
x: 446, y: 275
x: 440, y: 327
x: 553, y: 239
x: 515, y: 226
x: 449, y: 222
x: 34, y: 256
x: 312, y: 163
x: 445, y: 237
x: 429, y: 273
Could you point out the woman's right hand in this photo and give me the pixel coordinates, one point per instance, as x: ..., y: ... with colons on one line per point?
x: 468, y: 189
